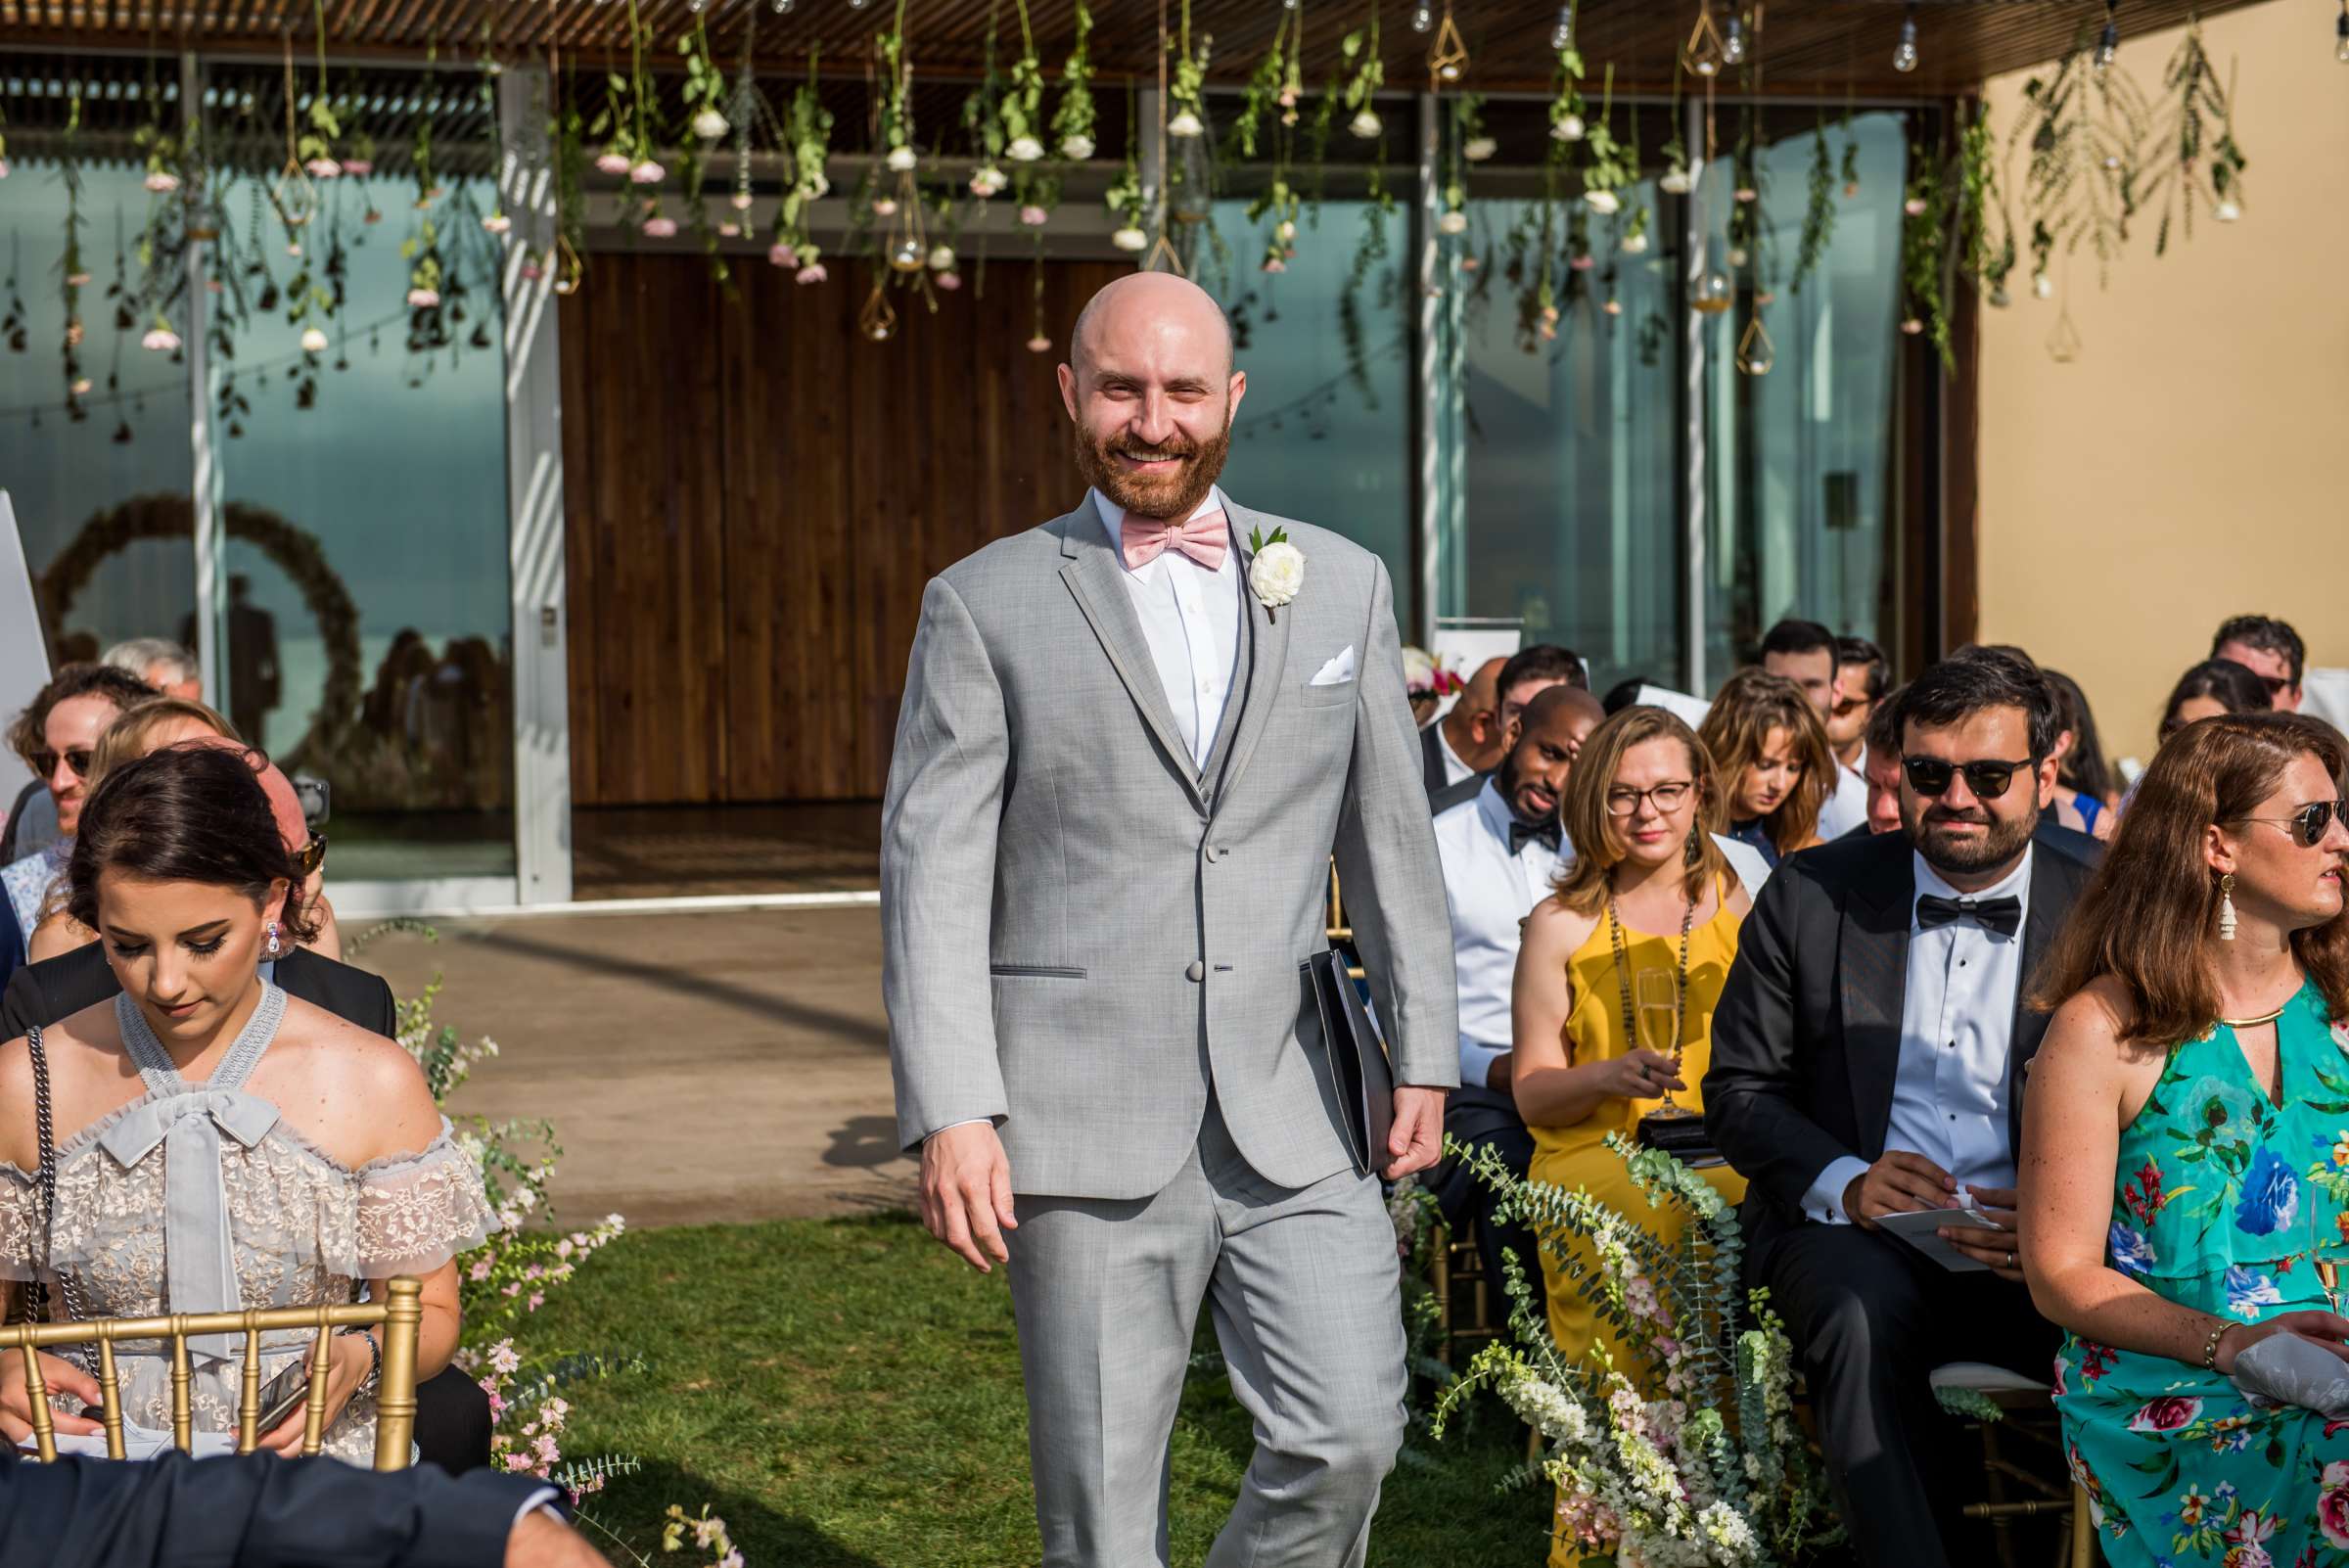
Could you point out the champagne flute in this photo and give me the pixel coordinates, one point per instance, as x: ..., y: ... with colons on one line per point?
x: 2328, y: 1242
x: 1656, y: 994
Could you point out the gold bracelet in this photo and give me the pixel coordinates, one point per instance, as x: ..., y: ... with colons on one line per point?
x: 2210, y: 1346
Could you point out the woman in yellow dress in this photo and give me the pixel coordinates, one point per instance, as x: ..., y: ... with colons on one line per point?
x: 1649, y: 912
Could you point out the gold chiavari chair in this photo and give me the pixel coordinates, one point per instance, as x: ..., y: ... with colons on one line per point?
x: 1340, y: 931
x: 400, y: 1314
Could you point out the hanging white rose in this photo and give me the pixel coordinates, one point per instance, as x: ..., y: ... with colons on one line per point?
x: 313, y: 341
x: 1567, y: 129
x: 1024, y: 149
x: 1675, y: 181
x: 1605, y: 203
x: 942, y: 259
x: 1076, y: 146
x: 709, y: 124
x: 2042, y: 286
x: 2228, y: 211
x: 1455, y: 221
x: 1635, y: 243
x: 1186, y: 124
x: 160, y: 339
x: 496, y: 223
x: 1364, y: 125
x: 987, y: 180
x: 1477, y: 149
x: 1129, y: 238
x: 900, y: 159
x: 160, y: 181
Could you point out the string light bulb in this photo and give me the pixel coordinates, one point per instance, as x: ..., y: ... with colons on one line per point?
x: 2108, y: 42
x: 782, y: 8
x: 1732, y: 41
x: 1423, y: 18
x: 1904, y: 57
x: 1561, y: 36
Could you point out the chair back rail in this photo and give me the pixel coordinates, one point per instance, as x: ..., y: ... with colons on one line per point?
x: 401, y: 1315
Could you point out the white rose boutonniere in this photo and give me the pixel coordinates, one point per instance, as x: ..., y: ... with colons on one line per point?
x: 1277, y: 572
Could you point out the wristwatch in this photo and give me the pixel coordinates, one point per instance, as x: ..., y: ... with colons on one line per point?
x: 374, y: 1379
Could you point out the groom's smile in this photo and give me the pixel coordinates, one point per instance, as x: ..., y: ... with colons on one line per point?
x: 1151, y: 393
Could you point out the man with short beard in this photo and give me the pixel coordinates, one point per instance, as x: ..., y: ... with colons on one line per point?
x: 1131, y: 742
x: 1502, y: 853
x: 1868, y: 1059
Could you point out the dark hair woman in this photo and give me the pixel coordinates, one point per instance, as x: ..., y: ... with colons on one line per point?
x: 2185, y: 1178
x: 218, y: 1145
x: 1777, y: 769
x: 1618, y: 977
x: 2084, y: 797
x: 2212, y: 687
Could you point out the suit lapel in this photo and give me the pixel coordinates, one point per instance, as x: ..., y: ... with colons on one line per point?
x: 1096, y: 579
x: 1874, y: 978
x: 1267, y: 656
x: 2050, y: 901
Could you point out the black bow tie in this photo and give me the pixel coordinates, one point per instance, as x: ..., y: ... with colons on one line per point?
x: 2002, y: 915
x: 1520, y: 832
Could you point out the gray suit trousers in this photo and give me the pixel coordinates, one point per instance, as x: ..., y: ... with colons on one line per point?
x: 1302, y: 1283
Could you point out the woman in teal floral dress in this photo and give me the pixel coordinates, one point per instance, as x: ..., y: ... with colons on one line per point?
x: 2197, y: 1072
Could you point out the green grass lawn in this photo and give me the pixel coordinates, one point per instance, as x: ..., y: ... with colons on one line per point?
x: 847, y: 1395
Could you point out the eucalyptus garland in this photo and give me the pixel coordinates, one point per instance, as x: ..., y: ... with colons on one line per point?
x: 2201, y: 127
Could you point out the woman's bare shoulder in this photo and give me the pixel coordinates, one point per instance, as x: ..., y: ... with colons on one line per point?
x: 1552, y: 925
x: 2091, y: 1028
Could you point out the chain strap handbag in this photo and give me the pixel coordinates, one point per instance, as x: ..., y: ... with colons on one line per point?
x: 68, y: 1291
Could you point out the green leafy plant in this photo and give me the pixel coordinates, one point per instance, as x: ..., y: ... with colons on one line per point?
x: 1073, y: 117
x: 1986, y: 259
x: 1262, y: 103
x: 2197, y: 126
x: 1186, y: 91
x: 1023, y: 105
x: 807, y: 140
x: 1923, y: 241
x: 1818, y: 212
x: 2086, y: 133
x: 1611, y: 167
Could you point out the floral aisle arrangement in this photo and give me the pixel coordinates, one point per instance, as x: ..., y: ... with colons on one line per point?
x: 1698, y: 1464
x: 508, y: 1278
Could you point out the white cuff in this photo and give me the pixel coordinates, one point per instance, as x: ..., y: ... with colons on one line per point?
x: 1823, y: 1203
x: 1476, y: 1062
x: 968, y: 1121
x: 543, y: 1498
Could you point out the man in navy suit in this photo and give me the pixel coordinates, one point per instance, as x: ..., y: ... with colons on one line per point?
x: 262, y: 1511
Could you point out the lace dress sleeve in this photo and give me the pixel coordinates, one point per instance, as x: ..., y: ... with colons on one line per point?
x: 20, y: 1223
x: 418, y: 1210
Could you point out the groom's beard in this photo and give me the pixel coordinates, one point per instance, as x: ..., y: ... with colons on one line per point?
x: 1175, y: 493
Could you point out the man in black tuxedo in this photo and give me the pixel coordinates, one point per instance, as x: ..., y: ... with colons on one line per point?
x: 452, y: 1412
x: 1869, y: 1058
x: 1880, y: 768
x: 262, y: 1511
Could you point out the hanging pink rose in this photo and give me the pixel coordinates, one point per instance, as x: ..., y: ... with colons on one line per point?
x: 324, y: 168
x: 949, y: 281
x: 647, y: 172
x: 1035, y: 217
x: 812, y: 272
x: 1273, y: 263
x: 532, y: 272
x: 780, y: 254
x: 612, y: 163
x: 660, y: 228
x: 359, y: 167
x: 423, y: 299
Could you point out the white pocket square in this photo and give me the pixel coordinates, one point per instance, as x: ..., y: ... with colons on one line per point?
x: 1338, y: 670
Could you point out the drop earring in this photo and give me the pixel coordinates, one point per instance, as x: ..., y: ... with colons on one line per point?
x: 1695, y: 852
x: 276, y: 948
x: 2227, y: 907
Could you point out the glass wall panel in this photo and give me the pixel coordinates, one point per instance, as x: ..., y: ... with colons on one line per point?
x: 363, y: 482
x: 1800, y: 461
x: 99, y: 476
x: 1566, y: 431
x: 1324, y: 433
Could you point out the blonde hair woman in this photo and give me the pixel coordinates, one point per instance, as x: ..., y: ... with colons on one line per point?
x: 1777, y: 769
x: 1648, y: 908
x: 168, y: 721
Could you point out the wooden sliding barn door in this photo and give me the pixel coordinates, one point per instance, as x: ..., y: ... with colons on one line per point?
x: 755, y: 497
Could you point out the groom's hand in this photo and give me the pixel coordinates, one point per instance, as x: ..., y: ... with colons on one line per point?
x: 1417, y: 1140
x: 966, y: 1192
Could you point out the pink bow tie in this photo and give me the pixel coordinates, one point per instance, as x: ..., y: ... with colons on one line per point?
x: 1204, y: 538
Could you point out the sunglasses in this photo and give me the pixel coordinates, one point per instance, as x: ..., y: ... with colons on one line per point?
x: 77, y: 757
x: 1930, y: 776
x: 312, y: 855
x: 2276, y: 685
x: 2309, y: 824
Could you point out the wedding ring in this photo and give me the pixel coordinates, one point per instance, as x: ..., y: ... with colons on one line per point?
x: 2010, y: 1260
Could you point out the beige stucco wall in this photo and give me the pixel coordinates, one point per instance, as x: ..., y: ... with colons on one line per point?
x: 2194, y: 461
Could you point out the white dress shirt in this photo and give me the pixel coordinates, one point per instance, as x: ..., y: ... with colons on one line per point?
x: 1191, y: 618
x: 1847, y: 808
x: 1489, y: 892
x: 1950, y: 1097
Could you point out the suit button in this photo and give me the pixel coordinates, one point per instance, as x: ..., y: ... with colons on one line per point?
x: 1197, y: 971
x: 1217, y: 852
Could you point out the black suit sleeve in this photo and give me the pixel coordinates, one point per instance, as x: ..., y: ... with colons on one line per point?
x: 21, y: 1007
x: 258, y: 1511
x: 1754, y: 1090
x: 383, y: 1015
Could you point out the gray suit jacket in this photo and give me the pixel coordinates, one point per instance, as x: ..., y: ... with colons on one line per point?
x: 1082, y: 932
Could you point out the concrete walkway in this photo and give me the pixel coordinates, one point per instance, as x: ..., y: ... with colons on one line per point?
x: 696, y: 1067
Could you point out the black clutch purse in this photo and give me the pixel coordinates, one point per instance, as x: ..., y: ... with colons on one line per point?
x: 1682, y: 1136
x: 1358, y: 1060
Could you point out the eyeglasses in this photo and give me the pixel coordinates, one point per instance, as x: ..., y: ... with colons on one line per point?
x: 312, y: 855
x: 77, y: 757
x: 2308, y: 825
x: 1930, y: 776
x: 1667, y: 797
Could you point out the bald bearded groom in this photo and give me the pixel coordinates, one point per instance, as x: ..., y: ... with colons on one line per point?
x: 1130, y: 741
